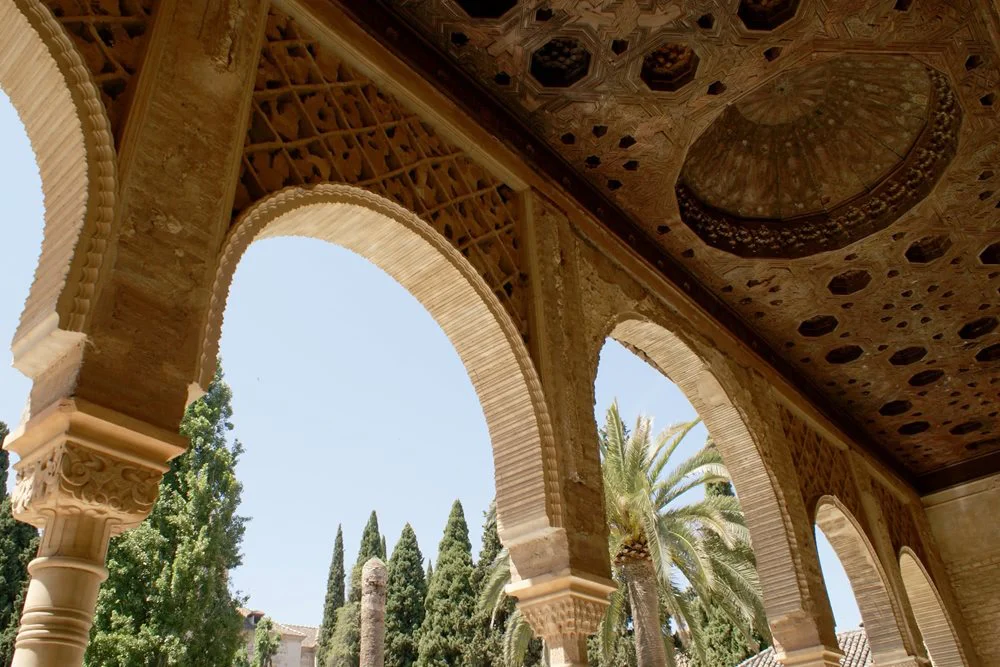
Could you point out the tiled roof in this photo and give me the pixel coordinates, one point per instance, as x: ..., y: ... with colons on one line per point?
x: 310, y: 633
x: 854, y: 644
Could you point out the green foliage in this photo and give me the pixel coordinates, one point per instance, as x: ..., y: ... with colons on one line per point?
x: 447, y: 627
x: 489, y: 620
x: 334, y: 596
x: 404, y: 606
x: 18, y: 545
x: 241, y: 659
x: 167, y: 599
x: 704, y: 542
x: 372, y: 546
x: 265, y: 643
x: 345, y: 645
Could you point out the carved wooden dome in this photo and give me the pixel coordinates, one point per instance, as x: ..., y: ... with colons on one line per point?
x: 820, y: 156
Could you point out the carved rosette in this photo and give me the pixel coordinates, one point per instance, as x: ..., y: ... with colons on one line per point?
x: 73, y: 478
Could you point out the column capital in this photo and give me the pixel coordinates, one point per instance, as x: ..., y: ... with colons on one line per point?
x: 564, y: 605
x: 78, y: 458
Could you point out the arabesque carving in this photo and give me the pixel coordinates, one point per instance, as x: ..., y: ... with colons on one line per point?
x: 74, y: 478
x: 822, y: 468
x: 923, y: 274
x: 111, y: 36
x: 314, y: 120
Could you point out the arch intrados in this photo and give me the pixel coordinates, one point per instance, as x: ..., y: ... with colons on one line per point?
x: 878, y: 607
x: 437, y: 275
x: 769, y: 526
x: 932, y: 619
x: 66, y: 122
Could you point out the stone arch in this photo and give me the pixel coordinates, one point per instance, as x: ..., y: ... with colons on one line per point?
x: 879, y: 608
x: 932, y: 619
x: 763, y: 504
x: 66, y: 122
x: 446, y: 284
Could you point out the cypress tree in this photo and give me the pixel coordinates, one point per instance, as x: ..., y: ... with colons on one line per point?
x: 371, y: 547
x: 334, y: 595
x: 486, y: 648
x: 447, y: 626
x: 167, y: 598
x: 345, y: 644
x: 405, y: 595
x: 430, y: 573
x: 266, y: 641
x: 344, y: 649
x: 18, y: 545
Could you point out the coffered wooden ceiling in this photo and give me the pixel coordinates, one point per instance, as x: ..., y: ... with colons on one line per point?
x: 823, y: 177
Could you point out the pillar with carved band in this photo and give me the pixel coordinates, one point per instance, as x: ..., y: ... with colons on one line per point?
x: 86, y: 473
x: 563, y: 610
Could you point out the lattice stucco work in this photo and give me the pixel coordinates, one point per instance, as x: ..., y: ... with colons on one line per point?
x: 822, y: 468
x: 111, y: 36
x: 315, y: 120
x: 899, y: 330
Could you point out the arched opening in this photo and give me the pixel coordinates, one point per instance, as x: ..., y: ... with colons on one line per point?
x: 768, y: 525
x: 21, y: 192
x: 65, y: 119
x: 867, y: 579
x: 928, y: 610
x: 456, y: 297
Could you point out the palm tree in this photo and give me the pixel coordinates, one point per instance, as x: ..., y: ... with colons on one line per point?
x: 668, y: 553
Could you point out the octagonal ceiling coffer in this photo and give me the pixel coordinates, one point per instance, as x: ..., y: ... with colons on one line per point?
x: 766, y: 14
x: 668, y: 67
x: 810, y: 162
x: 486, y: 9
x: 560, y: 62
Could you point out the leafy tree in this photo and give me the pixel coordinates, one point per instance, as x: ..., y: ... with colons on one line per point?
x: 167, y: 599
x: 18, y: 545
x: 334, y: 595
x: 241, y: 659
x: 489, y: 620
x: 447, y: 628
x: 345, y: 644
x: 265, y: 643
x: 404, y: 606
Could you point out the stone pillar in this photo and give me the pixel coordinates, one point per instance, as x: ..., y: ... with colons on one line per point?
x: 373, y: 582
x: 85, y: 474
x: 563, y: 610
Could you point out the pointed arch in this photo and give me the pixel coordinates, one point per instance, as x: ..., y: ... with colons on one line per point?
x: 66, y: 122
x: 878, y: 606
x: 932, y: 619
x: 443, y: 281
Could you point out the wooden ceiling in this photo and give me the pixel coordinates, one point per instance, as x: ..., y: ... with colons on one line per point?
x: 819, y: 175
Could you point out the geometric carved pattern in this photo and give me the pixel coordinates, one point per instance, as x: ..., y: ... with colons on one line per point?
x: 812, y: 161
x: 315, y: 120
x: 111, y: 38
x: 823, y: 470
x: 920, y: 282
x: 903, y: 530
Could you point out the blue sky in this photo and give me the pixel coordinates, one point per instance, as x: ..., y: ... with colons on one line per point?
x: 347, y: 397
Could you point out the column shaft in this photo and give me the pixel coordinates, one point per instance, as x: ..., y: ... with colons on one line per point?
x: 62, y: 595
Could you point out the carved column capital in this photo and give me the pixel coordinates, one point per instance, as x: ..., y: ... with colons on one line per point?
x: 565, y: 605
x: 80, y: 459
